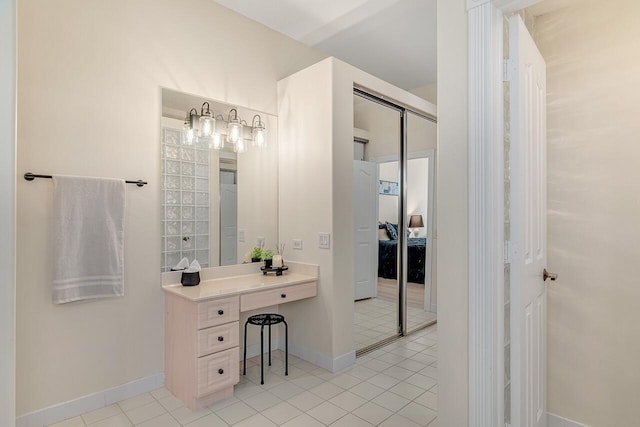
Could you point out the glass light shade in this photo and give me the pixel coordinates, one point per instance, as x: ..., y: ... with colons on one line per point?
x: 207, y: 126
x: 189, y: 134
x: 240, y: 146
x: 234, y: 131
x: 216, y: 141
x: 259, y: 136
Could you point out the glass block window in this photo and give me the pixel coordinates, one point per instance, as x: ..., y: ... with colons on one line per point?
x: 185, y: 200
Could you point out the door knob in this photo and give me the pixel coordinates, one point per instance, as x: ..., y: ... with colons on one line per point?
x: 546, y: 275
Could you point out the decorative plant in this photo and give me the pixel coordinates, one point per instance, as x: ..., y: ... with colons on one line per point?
x: 267, y: 254
x: 256, y: 253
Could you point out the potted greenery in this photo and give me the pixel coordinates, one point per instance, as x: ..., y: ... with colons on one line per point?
x: 256, y: 254
x: 267, y: 256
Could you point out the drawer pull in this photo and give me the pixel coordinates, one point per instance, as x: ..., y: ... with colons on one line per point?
x: 220, y: 312
x: 220, y: 339
x: 283, y: 295
x: 221, y: 371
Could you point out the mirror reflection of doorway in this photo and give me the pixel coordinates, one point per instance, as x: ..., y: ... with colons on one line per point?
x: 378, y: 317
x: 228, y: 217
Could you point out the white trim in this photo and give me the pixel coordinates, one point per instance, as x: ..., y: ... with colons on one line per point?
x: 334, y: 364
x: 434, y: 308
x: 486, y: 217
x: 486, y: 169
x: 8, y: 76
x: 554, y: 420
x: 90, y: 402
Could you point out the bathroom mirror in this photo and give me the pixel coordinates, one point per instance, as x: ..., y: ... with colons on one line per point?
x: 216, y: 204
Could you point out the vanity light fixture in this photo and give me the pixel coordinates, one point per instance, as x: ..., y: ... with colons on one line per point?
x: 189, y: 129
x: 207, y: 122
x: 258, y: 132
x: 234, y: 127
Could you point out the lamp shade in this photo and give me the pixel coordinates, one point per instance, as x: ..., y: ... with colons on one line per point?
x: 416, y: 221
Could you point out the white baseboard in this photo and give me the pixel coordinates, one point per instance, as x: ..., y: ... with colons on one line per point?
x: 554, y: 420
x: 332, y: 364
x: 90, y: 402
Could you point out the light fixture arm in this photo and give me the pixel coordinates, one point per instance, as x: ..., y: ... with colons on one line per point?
x: 253, y: 122
x: 206, y: 112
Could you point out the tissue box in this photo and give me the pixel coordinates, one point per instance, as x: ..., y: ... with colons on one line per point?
x: 190, y: 279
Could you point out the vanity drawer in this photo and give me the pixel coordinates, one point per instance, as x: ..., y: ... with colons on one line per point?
x: 218, y: 312
x: 267, y: 298
x: 218, y: 338
x: 218, y: 371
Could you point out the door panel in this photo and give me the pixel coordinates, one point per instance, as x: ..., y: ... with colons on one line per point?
x: 366, y: 229
x: 528, y: 225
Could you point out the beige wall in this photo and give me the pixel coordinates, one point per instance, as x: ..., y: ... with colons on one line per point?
x: 593, y: 66
x: 452, y: 212
x: 89, y: 104
x: 428, y: 92
x: 7, y: 211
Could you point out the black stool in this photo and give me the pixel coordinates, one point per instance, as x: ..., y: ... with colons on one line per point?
x: 268, y: 320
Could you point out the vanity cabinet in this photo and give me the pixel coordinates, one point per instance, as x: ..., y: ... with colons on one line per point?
x: 201, y: 348
x: 202, y: 328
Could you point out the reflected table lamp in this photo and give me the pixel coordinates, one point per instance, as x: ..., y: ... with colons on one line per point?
x: 415, y: 222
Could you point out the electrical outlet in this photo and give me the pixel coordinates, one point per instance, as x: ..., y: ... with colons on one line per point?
x: 260, y: 241
x: 297, y: 244
x: 241, y: 236
x: 324, y: 240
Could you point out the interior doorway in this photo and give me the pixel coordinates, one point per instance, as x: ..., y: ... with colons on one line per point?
x: 394, y: 162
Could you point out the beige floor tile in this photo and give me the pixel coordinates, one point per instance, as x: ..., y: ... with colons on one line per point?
x: 262, y: 401
x: 398, y: 421
x: 170, y: 403
x: 185, y: 415
x: 71, y: 422
x: 286, y: 390
x: 160, y: 393
x: 146, y: 412
x: 384, y: 381
x: 391, y: 401
x: 211, y: 420
x: 305, y: 401
x: 257, y: 420
x: 308, y: 381
x: 418, y: 413
x: 407, y: 390
x: 303, y: 420
x: 346, y: 381
x: 223, y: 403
x: 135, y: 402
x: 165, y: 420
x: 367, y: 390
x: 235, y: 413
x: 119, y: 420
x: 398, y: 373
x: 282, y: 412
x: 326, y: 390
x: 428, y: 399
x: 327, y: 413
x: 348, y: 401
x: 101, y: 414
x: 351, y: 420
x: 375, y: 414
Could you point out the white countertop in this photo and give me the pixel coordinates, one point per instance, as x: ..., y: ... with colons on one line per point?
x: 237, y: 285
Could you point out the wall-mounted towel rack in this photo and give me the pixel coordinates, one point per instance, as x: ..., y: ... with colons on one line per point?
x: 31, y: 176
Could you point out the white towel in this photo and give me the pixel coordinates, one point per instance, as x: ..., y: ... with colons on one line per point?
x: 88, y: 238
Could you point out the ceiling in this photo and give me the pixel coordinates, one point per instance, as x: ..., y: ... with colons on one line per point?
x: 394, y: 40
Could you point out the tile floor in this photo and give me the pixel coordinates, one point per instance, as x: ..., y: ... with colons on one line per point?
x: 394, y: 386
x: 376, y: 319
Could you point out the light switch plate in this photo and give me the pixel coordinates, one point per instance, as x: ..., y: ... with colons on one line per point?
x: 297, y: 243
x: 241, y: 236
x: 324, y: 240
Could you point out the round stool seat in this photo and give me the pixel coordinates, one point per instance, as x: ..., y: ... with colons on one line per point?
x: 265, y: 319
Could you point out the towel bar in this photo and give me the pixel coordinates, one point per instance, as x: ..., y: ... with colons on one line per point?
x: 31, y: 176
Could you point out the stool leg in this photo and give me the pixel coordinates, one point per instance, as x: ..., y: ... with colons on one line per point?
x: 262, y: 354
x: 269, y: 345
x: 244, y: 359
x: 286, y: 348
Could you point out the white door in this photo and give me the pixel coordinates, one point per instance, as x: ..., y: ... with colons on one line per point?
x: 228, y: 224
x: 365, y: 221
x: 528, y: 228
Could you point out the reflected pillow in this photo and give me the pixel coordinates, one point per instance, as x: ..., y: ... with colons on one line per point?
x: 392, y: 230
